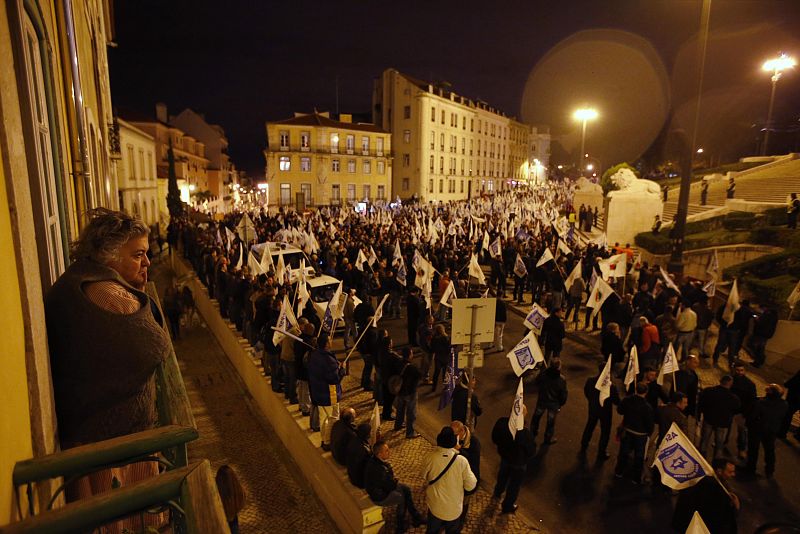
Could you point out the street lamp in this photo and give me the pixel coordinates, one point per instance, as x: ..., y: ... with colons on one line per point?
x: 584, y: 115
x: 776, y: 66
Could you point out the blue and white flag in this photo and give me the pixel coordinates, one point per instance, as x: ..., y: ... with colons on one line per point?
x: 450, y: 380
x: 401, y: 272
x: 516, y: 421
x: 546, y: 256
x: 495, y: 248
x: 669, y: 365
x: 603, y: 384
x: 681, y: 465
x: 519, y: 267
x: 633, y: 367
x: 526, y: 354
x: 535, y: 319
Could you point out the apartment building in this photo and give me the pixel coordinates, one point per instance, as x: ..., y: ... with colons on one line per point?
x: 447, y: 146
x: 138, y: 187
x: 313, y: 160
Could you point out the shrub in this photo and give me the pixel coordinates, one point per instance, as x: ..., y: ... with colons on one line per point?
x: 772, y: 291
x: 654, y: 243
x: 768, y: 266
x: 739, y: 220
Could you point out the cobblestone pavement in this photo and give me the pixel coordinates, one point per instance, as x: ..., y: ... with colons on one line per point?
x: 407, y: 457
x: 232, y: 432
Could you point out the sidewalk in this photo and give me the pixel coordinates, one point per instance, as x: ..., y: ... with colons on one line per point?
x: 233, y: 432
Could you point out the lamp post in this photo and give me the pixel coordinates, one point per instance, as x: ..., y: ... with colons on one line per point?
x: 776, y: 66
x: 584, y: 115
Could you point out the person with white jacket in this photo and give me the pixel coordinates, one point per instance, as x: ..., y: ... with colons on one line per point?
x: 448, y: 476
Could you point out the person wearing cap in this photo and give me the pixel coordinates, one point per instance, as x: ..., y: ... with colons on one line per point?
x: 448, y: 476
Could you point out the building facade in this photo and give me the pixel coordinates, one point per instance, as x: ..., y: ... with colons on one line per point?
x: 313, y: 160
x: 447, y: 146
x: 59, y: 151
x: 191, y: 164
x: 138, y: 189
x: 221, y: 170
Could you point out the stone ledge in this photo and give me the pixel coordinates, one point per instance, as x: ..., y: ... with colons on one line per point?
x: 350, y: 507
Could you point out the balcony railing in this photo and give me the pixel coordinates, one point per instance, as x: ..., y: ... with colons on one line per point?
x: 326, y: 150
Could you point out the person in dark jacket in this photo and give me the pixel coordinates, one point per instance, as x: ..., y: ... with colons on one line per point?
x: 413, y: 309
x: 368, y: 348
x: 745, y: 389
x: 611, y: 345
x: 324, y: 371
x: 637, y: 426
x: 514, y: 451
x: 672, y: 413
x: 603, y: 414
x: 763, y: 329
x: 717, y: 406
x: 407, y: 396
x: 342, y: 432
x: 763, y: 425
x: 708, y: 498
x: 793, y: 398
x: 458, y: 407
x: 390, y: 364
x: 688, y: 383
x: 552, y: 396
x: 553, y: 332
x: 440, y: 346
x: 357, y: 454
x: 385, y: 490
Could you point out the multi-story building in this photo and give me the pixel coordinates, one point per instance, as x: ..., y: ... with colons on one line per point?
x: 138, y: 189
x: 447, y: 146
x: 540, y: 154
x: 191, y: 164
x: 58, y: 153
x: 221, y: 170
x: 313, y: 160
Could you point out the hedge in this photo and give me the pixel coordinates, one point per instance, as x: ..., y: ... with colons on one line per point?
x: 772, y: 291
x: 768, y: 266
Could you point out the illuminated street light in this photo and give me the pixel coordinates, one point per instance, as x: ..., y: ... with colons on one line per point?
x: 192, y: 187
x: 700, y: 150
x: 589, y: 167
x: 776, y: 66
x: 584, y: 115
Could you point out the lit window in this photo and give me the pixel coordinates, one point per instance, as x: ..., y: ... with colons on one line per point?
x: 350, y: 143
x: 406, y: 136
x: 335, y: 143
x: 367, y: 166
x: 351, y: 165
x: 381, y: 192
x: 365, y: 146
x: 286, y: 163
x: 305, y: 141
x: 305, y: 164
x: 381, y: 167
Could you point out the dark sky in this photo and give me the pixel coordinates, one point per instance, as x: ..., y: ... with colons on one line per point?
x: 244, y: 63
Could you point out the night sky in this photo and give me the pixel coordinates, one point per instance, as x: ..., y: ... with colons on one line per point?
x: 244, y: 63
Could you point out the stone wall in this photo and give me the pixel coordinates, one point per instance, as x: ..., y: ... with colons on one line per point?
x: 696, y: 261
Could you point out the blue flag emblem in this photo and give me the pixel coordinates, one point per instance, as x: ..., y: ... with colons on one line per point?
x: 524, y: 357
x: 679, y: 464
x: 450, y: 379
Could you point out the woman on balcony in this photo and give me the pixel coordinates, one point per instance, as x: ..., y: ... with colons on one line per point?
x: 105, y: 344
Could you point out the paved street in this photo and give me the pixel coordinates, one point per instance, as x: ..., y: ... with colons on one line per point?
x: 564, y: 494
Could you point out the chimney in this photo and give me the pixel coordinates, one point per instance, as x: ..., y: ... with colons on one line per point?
x: 161, y: 112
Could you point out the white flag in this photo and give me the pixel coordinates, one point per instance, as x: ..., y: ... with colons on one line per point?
x: 563, y: 248
x: 519, y: 267
x: 475, y: 270
x: 535, y: 318
x: 240, y: 262
x: 252, y: 263
x: 603, y: 384
x: 266, y: 260
x: 302, y: 296
x: 448, y: 295
x: 697, y: 525
x: 633, y: 367
x: 286, y: 320
x: 732, y: 304
x: 546, y: 256
x: 495, y: 248
x: 526, y: 354
x: 668, y: 280
x: 379, y: 311
x: 680, y: 464
x: 360, y: 260
x: 401, y: 274
x: 600, y: 292
x: 231, y: 236
x: 710, y: 287
x: 516, y: 421
x: 375, y: 424
x: 794, y: 296
x: 280, y: 270
x: 670, y: 364
x: 576, y: 273
x: 713, y: 265
x: 372, y: 256
x: 398, y: 255
x: 613, y: 267
x: 485, y: 244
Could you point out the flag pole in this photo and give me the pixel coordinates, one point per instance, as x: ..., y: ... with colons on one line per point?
x: 359, y: 339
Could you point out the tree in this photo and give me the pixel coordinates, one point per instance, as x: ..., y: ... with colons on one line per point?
x: 174, y: 202
x: 605, y: 180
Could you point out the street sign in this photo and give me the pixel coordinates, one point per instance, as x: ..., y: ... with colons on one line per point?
x: 462, y: 320
x: 463, y: 359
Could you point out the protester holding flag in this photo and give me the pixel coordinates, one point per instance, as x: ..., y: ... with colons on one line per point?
x: 441, y: 348
x: 407, y: 395
x: 710, y: 498
x: 552, y: 396
x: 637, y: 426
x: 324, y: 377
x: 553, y: 333
x: 717, y: 405
x: 515, y: 450
x: 598, y: 413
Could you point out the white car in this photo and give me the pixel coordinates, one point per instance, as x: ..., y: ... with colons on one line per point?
x: 292, y: 257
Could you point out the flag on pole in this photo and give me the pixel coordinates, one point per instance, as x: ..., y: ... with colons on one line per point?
x: 302, y: 296
x: 697, y: 525
x: 402, y: 274
x: 253, y: 265
x: 516, y: 421
x: 562, y: 248
x: 732, y: 304
x: 372, y: 256
x: 713, y: 265
x: 679, y: 462
x: 535, y: 319
x: 231, y: 236
x: 379, y: 311
x: 485, y: 244
x: 519, y: 267
x: 633, y: 367
x: 710, y: 287
x: 240, y: 261
x: 668, y: 281
x: 600, y: 292
x: 286, y: 320
x: 495, y: 248
x: 450, y: 379
x: 360, y: 260
x: 475, y: 270
x: 546, y: 256
x: 266, y: 260
x: 603, y: 384
x: 794, y: 296
x: 614, y: 267
x: 575, y: 274
x: 670, y: 364
x: 398, y: 254
x: 526, y: 354
x: 375, y: 424
x: 448, y: 295
x: 280, y: 270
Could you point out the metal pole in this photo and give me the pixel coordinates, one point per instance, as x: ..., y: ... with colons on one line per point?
x: 471, y: 366
x: 583, y: 145
x: 767, y: 127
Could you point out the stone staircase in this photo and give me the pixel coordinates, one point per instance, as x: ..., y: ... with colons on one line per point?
x: 772, y: 182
